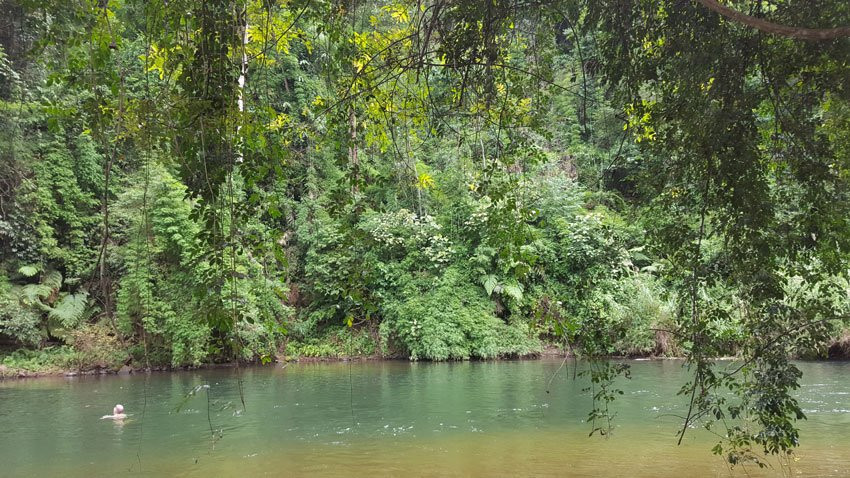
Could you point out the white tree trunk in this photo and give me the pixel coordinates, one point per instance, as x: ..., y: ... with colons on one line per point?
x: 240, y: 101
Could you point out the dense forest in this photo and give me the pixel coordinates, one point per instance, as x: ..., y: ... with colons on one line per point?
x: 188, y: 182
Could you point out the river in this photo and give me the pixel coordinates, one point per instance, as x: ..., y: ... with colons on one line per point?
x: 387, y: 419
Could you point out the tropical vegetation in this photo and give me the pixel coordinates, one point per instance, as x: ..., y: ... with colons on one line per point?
x: 188, y: 182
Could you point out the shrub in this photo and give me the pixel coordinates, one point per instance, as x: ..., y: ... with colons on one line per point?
x: 449, y: 317
x: 95, y: 346
x: 335, y: 342
x: 312, y: 347
x: 640, y: 317
x: 48, y: 359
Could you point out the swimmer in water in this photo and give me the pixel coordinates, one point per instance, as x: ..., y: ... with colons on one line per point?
x: 117, y: 413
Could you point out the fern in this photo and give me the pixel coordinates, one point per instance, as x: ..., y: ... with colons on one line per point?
x: 490, y: 283
x: 52, y: 279
x: 514, y: 291
x: 28, y: 271
x: 31, y: 294
x: 71, y: 309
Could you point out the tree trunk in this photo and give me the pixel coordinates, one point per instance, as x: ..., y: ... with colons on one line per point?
x: 352, y: 149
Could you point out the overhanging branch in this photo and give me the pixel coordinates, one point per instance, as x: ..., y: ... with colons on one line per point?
x: 799, y: 33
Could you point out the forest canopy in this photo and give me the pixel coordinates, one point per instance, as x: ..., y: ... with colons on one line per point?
x: 185, y: 182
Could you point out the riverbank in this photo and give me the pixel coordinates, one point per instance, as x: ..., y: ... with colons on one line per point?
x: 7, y: 373
x: 11, y: 373
x: 61, y: 361
x: 839, y: 350
x: 28, y: 364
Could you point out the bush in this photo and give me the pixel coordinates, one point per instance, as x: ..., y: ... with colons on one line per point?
x: 449, y: 317
x: 336, y: 342
x: 48, y: 359
x: 95, y: 347
x: 91, y: 346
x: 19, y: 323
x: 640, y: 317
x: 258, y: 339
x: 312, y: 347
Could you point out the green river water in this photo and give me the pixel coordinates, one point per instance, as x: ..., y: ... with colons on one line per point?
x: 387, y: 419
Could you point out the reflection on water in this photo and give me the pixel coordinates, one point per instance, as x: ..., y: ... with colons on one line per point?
x: 390, y: 419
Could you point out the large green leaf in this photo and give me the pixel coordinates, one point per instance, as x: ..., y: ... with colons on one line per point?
x: 28, y: 271
x: 71, y: 309
x: 490, y: 282
x: 514, y: 291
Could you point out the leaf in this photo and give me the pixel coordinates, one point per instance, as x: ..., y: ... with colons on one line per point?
x: 424, y: 181
x: 31, y: 293
x: 639, y: 256
x: 28, y: 271
x: 71, y: 309
x: 514, y: 291
x: 52, y: 279
x: 490, y: 282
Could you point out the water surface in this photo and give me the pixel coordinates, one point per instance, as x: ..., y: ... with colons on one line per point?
x: 387, y: 419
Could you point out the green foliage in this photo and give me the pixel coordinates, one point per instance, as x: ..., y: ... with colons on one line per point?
x: 31, y: 312
x: 20, y: 323
x: 454, y: 181
x: 448, y: 317
x: 61, y: 211
x: 71, y: 309
x: 28, y: 271
x: 45, y: 360
x: 95, y: 346
x: 602, y: 375
x: 164, y: 298
x: 155, y: 296
x: 313, y: 348
x: 642, y: 321
x: 335, y: 342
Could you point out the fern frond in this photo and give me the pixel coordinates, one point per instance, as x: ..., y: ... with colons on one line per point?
x: 513, y: 291
x: 52, y: 279
x: 490, y: 282
x: 31, y: 294
x: 71, y: 309
x: 28, y: 271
